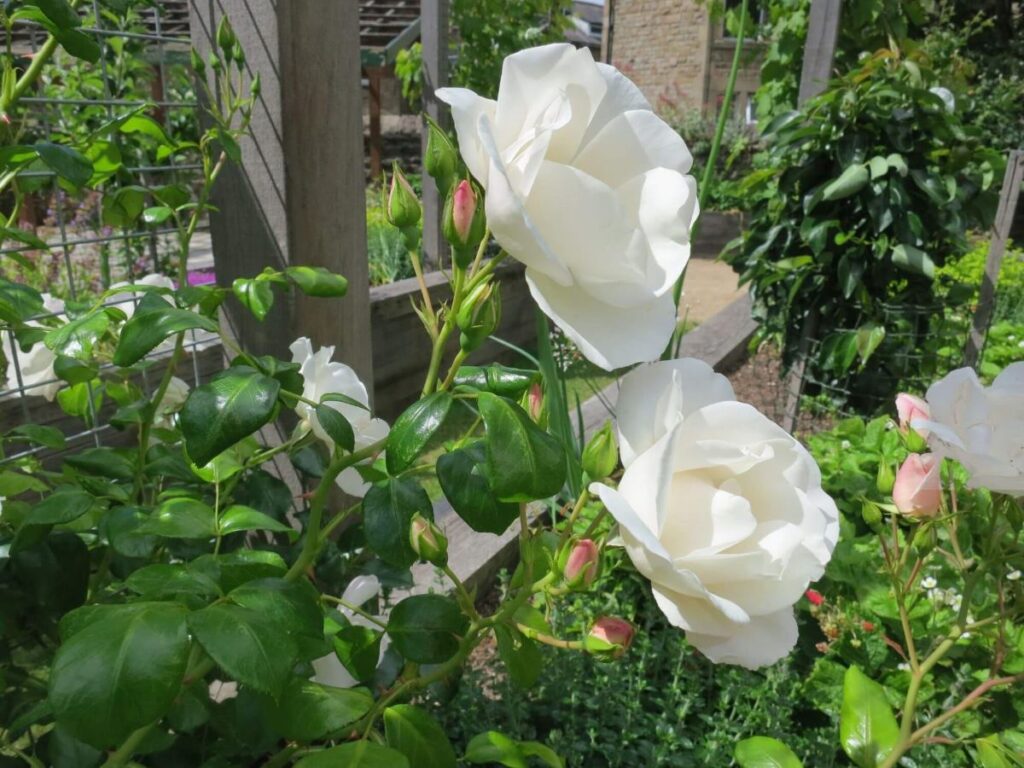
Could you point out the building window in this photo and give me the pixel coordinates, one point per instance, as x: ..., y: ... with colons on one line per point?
x: 750, y: 113
x: 755, y: 11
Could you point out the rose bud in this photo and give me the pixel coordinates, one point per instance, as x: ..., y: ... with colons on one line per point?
x: 610, y: 637
x: 814, y: 597
x: 463, y: 222
x: 225, y: 36
x: 582, y: 564
x: 535, y: 401
x: 885, y: 478
x: 601, y: 455
x: 441, y: 159
x: 427, y: 541
x: 479, y: 316
x: 911, y: 408
x: 918, y: 487
x: 403, y: 206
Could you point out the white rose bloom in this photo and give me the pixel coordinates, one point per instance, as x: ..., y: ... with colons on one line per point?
x: 36, y: 365
x: 720, y: 508
x: 589, y: 189
x: 981, y: 427
x: 322, y: 376
x: 328, y: 669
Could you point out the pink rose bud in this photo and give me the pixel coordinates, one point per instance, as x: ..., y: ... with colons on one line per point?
x: 814, y: 597
x: 535, y: 401
x: 463, y: 209
x: 610, y: 636
x: 911, y: 408
x: 581, y: 567
x: 918, y: 487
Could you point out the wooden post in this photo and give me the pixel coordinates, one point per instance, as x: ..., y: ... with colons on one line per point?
x: 607, y: 19
x: 819, y: 53
x: 299, y: 195
x: 997, y: 247
x: 373, y: 77
x: 434, y: 37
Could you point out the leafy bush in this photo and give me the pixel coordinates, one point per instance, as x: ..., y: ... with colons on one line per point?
x: 861, y: 196
x: 385, y: 245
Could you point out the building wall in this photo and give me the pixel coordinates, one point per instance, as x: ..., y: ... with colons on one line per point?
x: 664, y: 47
x: 678, y: 56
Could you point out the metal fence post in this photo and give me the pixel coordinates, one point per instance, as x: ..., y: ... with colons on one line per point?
x: 299, y: 195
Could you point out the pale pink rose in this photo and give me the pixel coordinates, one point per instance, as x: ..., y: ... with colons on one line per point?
x: 918, y: 487
x: 911, y: 408
x: 613, y: 631
x: 582, y: 564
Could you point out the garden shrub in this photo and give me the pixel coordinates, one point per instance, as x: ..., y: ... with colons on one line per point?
x: 860, y: 196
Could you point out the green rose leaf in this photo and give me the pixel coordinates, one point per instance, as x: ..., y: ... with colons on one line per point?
x: 763, y: 752
x: 162, y: 580
x: 256, y: 295
x: 292, y: 606
x: 336, y: 426
x: 463, y: 478
x: 48, y: 437
x: 358, y: 650
x: 357, y: 754
x: 912, y: 259
x: 70, y: 164
x: 59, y: 12
x: 308, y: 711
x: 122, y: 207
x: 220, y: 413
x: 120, y: 526
x: 850, y: 182
x: 868, y: 729
x: 81, y: 46
x: 497, y: 379
x: 317, y: 281
x: 523, y: 461
x: 414, y: 428
x: 387, y: 514
x: 62, y: 506
x: 153, y: 321
x: 73, y: 370
x: 181, y: 518
x: 120, y: 672
x: 248, y: 645
x: 103, y: 462
x: 417, y: 735
x: 240, y: 518
x: 77, y: 337
x: 520, y: 654
x: 495, y: 747
x: 19, y: 302
x: 427, y: 629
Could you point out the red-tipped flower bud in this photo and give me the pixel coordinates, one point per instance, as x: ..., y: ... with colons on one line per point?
x: 582, y: 565
x: 814, y: 597
x: 610, y: 637
x: 534, y: 401
x: 427, y: 541
x: 918, y: 488
x: 463, y: 223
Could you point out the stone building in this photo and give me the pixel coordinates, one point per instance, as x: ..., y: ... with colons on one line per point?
x: 680, y: 55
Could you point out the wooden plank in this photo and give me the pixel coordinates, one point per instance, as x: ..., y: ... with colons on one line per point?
x: 1008, y: 198
x: 820, y: 48
x: 299, y: 195
x: 434, y: 37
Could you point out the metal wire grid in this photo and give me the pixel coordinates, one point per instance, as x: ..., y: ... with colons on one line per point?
x: 29, y: 36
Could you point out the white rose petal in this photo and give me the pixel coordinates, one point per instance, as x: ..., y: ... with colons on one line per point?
x: 328, y: 670
x: 720, y: 508
x: 588, y: 188
x: 981, y: 427
x: 322, y: 377
x: 34, y: 367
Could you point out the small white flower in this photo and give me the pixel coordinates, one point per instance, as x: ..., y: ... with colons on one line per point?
x: 1021, y: 343
x: 903, y: 666
x: 954, y: 600
x: 929, y: 583
x: 1013, y: 575
x: 845, y: 445
x: 322, y: 376
x: 937, y: 596
x: 1012, y: 337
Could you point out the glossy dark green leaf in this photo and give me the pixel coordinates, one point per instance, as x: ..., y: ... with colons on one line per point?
x: 308, y: 711
x: 181, y: 518
x: 868, y: 730
x: 764, y: 752
x: 120, y: 526
x: 66, y: 751
x: 850, y: 182
x: 494, y: 747
x: 317, y: 281
x: 358, y: 649
x: 77, y: 337
x: 49, y: 437
x: 414, y: 428
x: 82, y: 46
x: 59, y: 12
x: 356, y: 754
x: 912, y: 259
x: 427, y: 629
x: 103, y: 462
x: 520, y: 655
x: 463, y: 478
x: 388, y: 510
x: 336, y: 426
x: 70, y: 164
x: 220, y: 413
x: 153, y: 322
x: 256, y: 295
x: 292, y: 606
x: 247, y: 645
x: 65, y: 504
x: 120, y: 673
x: 73, y: 370
x: 497, y: 379
x: 162, y: 580
x: 414, y: 733
x: 146, y: 126
x: 523, y: 461
x: 240, y: 518
x: 122, y: 207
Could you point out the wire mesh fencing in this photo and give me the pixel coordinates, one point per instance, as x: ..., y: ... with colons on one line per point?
x: 143, y: 68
